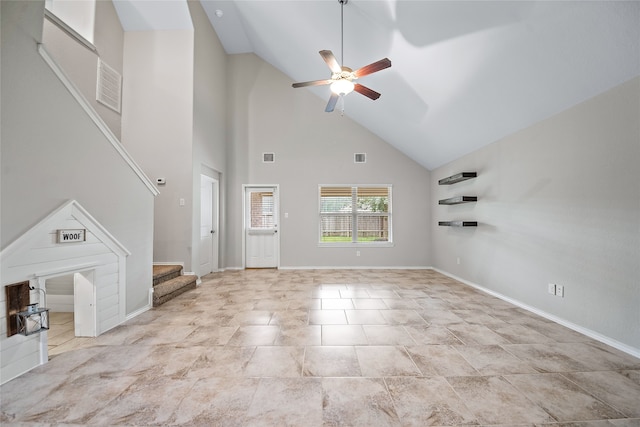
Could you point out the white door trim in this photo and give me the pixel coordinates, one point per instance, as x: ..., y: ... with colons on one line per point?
x: 214, y: 249
x: 276, y: 189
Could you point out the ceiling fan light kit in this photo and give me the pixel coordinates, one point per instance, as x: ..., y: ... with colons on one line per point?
x: 342, y: 87
x: 342, y: 77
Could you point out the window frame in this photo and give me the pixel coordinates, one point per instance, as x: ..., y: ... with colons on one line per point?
x: 355, y: 214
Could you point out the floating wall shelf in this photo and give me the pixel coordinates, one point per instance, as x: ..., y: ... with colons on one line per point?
x: 458, y: 200
x: 458, y: 223
x: 462, y: 176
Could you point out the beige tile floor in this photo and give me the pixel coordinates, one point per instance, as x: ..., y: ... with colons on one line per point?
x: 61, y: 332
x: 330, y: 348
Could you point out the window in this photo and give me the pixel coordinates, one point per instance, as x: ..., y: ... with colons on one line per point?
x: 262, y: 209
x: 355, y: 214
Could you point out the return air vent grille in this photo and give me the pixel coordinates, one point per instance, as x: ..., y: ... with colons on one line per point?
x: 360, y: 158
x: 109, y: 86
x: 268, y: 157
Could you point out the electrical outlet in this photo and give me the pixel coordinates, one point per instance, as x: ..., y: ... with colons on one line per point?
x: 357, y: 253
x: 560, y: 291
x: 552, y: 288
x: 458, y: 260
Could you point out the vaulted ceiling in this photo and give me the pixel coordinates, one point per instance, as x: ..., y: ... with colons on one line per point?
x: 464, y: 74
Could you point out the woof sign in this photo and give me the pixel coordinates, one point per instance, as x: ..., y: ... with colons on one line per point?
x: 71, y: 236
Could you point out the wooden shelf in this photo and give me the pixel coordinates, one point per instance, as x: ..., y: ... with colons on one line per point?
x: 458, y: 200
x: 458, y: 223
x: 462, y: 176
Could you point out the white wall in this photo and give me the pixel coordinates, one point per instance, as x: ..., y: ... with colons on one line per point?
x: 60, y: 293
x: 209, y: 119
x: 53, y: 152
x: 157, y: 129
x: 559, y: 202
x: 313, y: 147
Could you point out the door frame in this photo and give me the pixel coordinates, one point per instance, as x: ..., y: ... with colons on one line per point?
x: 276, y: 201
x: 89, y: 275
x: 215, y: 201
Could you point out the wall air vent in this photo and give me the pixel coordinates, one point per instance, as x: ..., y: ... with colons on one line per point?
x: 268, y: 157
x: 109, y: 86
x: 360, y: 158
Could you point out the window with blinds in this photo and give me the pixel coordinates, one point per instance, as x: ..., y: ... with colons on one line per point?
x: 355, y: 214
x: 262, y: 210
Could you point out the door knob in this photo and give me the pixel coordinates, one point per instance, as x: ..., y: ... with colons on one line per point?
x: 213, y: 231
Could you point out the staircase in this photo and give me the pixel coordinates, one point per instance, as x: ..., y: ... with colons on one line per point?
x: 169, y: 282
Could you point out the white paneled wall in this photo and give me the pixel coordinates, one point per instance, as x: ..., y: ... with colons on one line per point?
x: 39, y: 258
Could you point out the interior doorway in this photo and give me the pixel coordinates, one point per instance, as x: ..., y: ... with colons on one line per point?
x: 72, y: 298
x: 209, y: 224
x: 261, y: 239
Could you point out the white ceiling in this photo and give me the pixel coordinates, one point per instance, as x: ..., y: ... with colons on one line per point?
x: 464, y: 74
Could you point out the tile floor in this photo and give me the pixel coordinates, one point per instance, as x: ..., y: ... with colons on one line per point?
x: 330, y: 348
x: 61, y: 332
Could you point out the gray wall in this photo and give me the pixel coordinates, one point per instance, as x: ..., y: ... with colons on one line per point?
x: 157, y: 127
x: 559, y: 202
x: 209, y: 120
x: 80, y: 63
x: 313, y: 147
x: 53, y: 152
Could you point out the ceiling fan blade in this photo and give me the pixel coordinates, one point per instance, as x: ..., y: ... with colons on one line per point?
x: 331, y: 61
x: 332, y: 103
x: 363, y: 90
x: 372, y: 68
x: 313, y: 83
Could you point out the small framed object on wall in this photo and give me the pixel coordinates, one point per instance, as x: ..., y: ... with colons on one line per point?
x: 17, y: 297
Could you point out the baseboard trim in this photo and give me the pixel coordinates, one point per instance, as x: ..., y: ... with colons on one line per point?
x: 141, y: 310
x: 395, y: 267
x: 584, y: 331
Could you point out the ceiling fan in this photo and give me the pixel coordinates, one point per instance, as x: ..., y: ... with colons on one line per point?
x: 342, y: 77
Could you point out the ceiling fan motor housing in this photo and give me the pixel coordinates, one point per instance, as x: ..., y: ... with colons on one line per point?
x: 346, y: 73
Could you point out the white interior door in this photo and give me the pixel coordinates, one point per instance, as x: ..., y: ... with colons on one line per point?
x: 261, y: 227
x: 84, y: 304
x: 209, y: 241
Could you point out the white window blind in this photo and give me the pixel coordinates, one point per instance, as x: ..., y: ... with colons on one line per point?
x: 262, y: 210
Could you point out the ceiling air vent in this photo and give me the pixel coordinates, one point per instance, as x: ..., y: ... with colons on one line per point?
x: 360, y: 158
x: 268, y: 157
x: 109, y: 86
